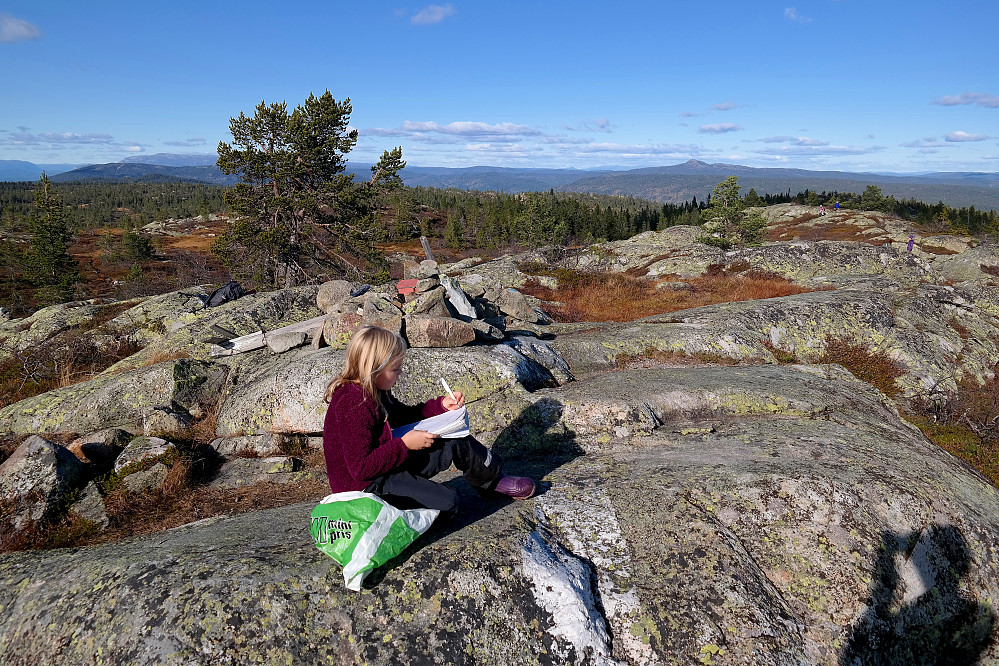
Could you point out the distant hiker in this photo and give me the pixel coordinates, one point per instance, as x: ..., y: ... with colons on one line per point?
x: 822, y: 210
x: 911, y: 241
x: 836, y: 206
x: 361, y: 453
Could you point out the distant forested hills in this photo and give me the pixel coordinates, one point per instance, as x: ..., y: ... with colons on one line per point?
x: 668, y: 184
x: 146, y: 173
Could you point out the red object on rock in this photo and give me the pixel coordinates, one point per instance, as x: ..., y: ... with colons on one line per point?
x: 407, y: 286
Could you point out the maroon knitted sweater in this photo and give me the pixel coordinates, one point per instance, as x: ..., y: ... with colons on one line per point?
x: 357, y: 440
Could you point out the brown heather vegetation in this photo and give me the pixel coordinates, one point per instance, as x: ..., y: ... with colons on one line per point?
x: 621, y: 297
x: 842, y: 229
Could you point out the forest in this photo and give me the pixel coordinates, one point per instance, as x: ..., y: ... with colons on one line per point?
x: 487, y: 222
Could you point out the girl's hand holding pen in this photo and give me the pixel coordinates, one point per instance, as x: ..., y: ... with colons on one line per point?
x: 452, y: 402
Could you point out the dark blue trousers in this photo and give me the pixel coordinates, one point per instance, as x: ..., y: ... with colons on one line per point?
x: 411, y: 487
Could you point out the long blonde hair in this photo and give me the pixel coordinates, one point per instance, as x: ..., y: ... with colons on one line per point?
x: 372, y: 349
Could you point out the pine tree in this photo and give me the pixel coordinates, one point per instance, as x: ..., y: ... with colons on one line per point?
x: 728, y: 224
x: 299, y: 217
x: 50, y: 267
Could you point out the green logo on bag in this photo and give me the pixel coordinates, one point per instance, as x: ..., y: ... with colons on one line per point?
x: 326, y: 530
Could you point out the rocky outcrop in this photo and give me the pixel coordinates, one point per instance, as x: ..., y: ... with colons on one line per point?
x: 764, y: 515
x: 747, y: 514
x: 125, y: 400
x: 285, y: 395
x: 937, y: 336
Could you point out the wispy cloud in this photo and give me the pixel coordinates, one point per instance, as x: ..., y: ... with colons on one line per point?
x: 982, y: 99
x: 795, y: 140
x: 22, y: 138
x: 925, y: 143
x: 187, y: 143
x: 432, y: 14
x: 806, y: 150
x: 433, y: 132
x: 960, y: 137
x: 792, y: 14
x: 725, y: 106
x: 598, y: 125
x: 17, y: 30
x: 719, y: 128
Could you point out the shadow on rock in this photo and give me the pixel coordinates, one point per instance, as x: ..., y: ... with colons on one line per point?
x: 916, y: 612
x: 534, y: 444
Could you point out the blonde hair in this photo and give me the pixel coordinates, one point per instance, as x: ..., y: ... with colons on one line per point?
x: 371, y: 349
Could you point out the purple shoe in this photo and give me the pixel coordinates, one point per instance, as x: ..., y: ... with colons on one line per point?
x: 517, y: 487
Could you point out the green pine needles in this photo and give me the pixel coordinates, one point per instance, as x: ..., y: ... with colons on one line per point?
x: 50, y: 267
x: 298, y: 217
x: 728, y: 223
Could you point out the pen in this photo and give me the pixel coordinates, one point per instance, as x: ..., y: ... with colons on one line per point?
x: 447, y: 388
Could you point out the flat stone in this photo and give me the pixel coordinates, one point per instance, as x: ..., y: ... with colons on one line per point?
x: 142, y: 449
x: 150, y: 479
x: 278, y: 343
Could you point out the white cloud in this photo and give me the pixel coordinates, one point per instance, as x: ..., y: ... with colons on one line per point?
x: 17, y: 30
x: 430, y: 131
x: 432, y: 14
x: 795, y: 140
x: 792, y: 15
x: 134, y: 149
x: 982, y: 99
x: 726, y: 106
x: 959, y: 136
x: 719, y: 128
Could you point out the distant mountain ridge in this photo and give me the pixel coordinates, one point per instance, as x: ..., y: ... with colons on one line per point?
x: 19, y: 170
x: 672, y: 183
x: 147, y: 173
x: 174, y: 159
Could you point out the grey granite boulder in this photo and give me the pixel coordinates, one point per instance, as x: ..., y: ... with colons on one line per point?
x: 146, y: 480
x: 247, y: 471
x: 91, y: 507
x: 333, y: 293
x: 431, y: 304
x: 143, y: 449
x: 430, y: 331
x: 34, y: 480
x: 279, y: 343
x: 513, y: 304
x: 102, y: 447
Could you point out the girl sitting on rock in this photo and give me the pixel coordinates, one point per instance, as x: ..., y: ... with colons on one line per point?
x: 361, y: 453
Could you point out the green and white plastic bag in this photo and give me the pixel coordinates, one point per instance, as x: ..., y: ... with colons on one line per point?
x: 362, y: 531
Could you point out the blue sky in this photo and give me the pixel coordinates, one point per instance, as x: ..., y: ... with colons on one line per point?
x: 859, y: 85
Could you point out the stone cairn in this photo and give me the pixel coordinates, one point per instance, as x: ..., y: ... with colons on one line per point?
x: 428, y: 309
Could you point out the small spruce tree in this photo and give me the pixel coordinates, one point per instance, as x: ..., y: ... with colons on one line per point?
x: 50, y: 267
x: 728, y: 224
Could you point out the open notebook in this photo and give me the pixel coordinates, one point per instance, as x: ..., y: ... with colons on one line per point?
x: 449, y: 424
